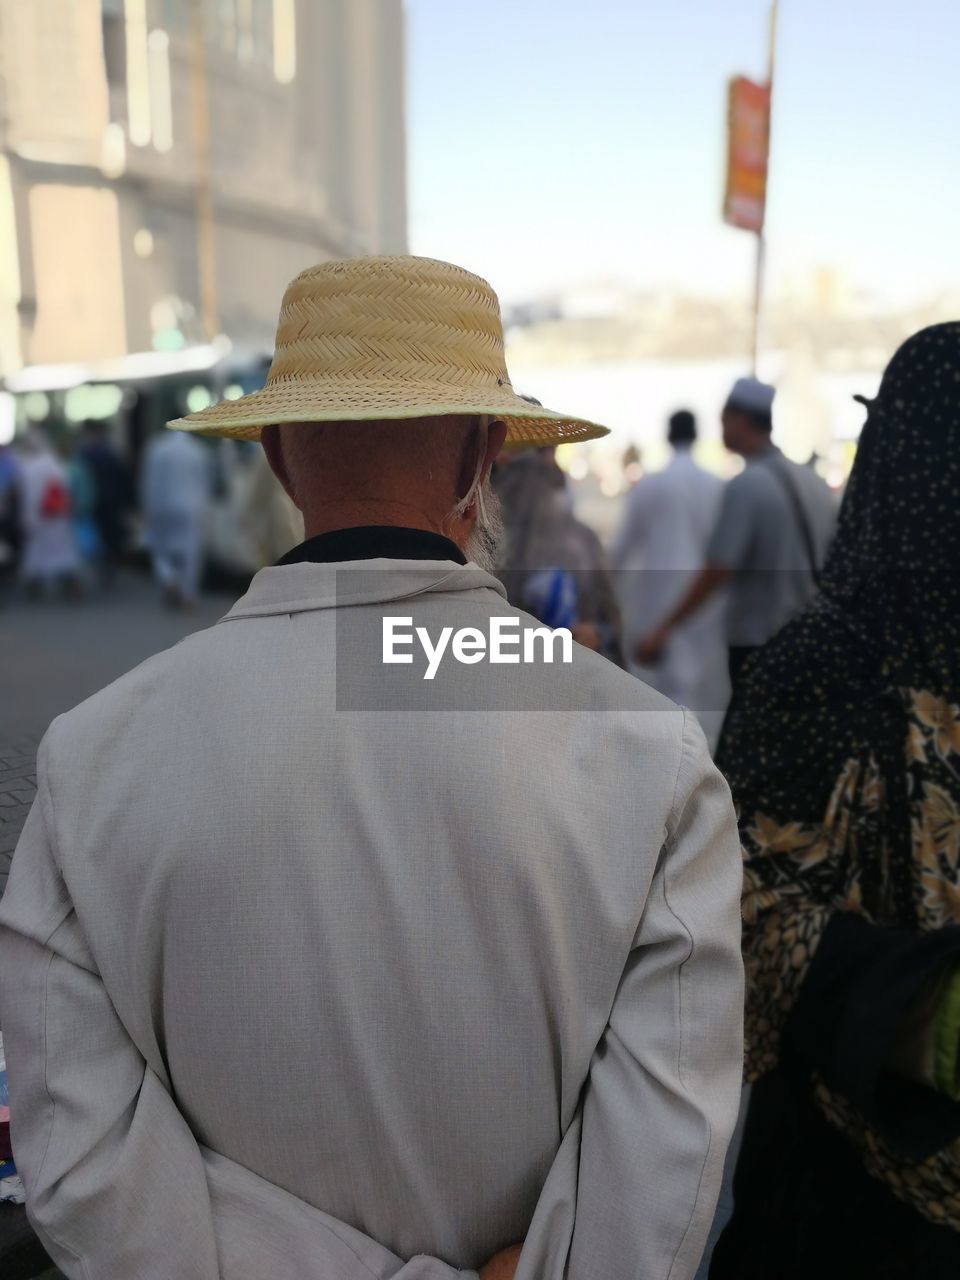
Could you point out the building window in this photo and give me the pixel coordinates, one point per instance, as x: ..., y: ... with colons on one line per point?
x: 227, y: 35
x: 114, y: 41
x: 285, y: 40
x: 245, y: 43
x: 161, y: 98
x: 138, y: 73
x: 255, y: 31
x: 248, y: 30
x: 261, y: 22
x: 170, y: 15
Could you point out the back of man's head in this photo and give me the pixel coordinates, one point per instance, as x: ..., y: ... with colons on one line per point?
x: 420, y: 472
x: 754, y: 400
x: 369, y: 462
x: 682, y: 429
x: 747, y: 416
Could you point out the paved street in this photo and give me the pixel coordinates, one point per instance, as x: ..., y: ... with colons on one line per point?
x: 54, y: 654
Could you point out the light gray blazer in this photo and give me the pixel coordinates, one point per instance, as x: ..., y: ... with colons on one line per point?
x: 312, y: 968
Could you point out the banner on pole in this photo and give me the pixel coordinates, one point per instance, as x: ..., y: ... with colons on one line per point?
x: 748, y: 142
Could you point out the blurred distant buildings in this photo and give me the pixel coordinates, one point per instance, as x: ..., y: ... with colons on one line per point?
x: 819, y: 315
x: 166, y: 166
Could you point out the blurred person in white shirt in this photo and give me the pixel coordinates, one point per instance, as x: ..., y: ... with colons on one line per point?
x: 668, y: 518
x: 176, y: 501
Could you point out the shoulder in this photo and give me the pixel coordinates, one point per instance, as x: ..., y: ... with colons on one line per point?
x: 627, y: 721
x: 755, y: 489
x: 590, y: 682
x: 744, y: 496
x: 97, y: 727
x: 707, y: 479
x: 753, y: 479
x: 610, y: 687
x: 645, y: 488
x: 644, y: 736
x: 815, y: 485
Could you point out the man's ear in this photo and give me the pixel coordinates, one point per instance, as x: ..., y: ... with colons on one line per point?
x: 496, y: 434
x: 273, y: 448
x: 471, y: 466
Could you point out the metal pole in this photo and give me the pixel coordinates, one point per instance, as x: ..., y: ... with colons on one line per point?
x: 757, y: 300
x: 200, y: 99
x: 761, y: 237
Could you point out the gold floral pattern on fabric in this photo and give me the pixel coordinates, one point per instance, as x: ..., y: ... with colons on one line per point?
x: 936, y: 839
x: 916, y: 745
x: 797, y: 875
x: 931, y: 1186
x: 935, y: 814
x: 942, y: 718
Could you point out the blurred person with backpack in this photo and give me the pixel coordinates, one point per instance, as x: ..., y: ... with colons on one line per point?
x: 50, y: 553
x: 769, y: 542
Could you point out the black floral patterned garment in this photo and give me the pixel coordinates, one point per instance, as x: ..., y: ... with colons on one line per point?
x: 843, y: 745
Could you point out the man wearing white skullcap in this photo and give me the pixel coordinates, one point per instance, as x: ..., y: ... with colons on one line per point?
x: 770, y: 540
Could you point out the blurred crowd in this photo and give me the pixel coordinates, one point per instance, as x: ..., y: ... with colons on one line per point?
x: 818, y: 642
x: 73, y: 510
x: 699, y: 574
x: 63, y: 510
x: 834, y: 631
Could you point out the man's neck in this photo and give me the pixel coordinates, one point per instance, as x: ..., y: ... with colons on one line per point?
x: 334, y: 516
x: 756, y: 448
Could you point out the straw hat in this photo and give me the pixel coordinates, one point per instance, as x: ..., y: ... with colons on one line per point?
x: 380, y: 338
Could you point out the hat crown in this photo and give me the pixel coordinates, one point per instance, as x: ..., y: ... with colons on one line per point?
x: 395, y: 319
x: 388, y: 339
x: 752, y: 395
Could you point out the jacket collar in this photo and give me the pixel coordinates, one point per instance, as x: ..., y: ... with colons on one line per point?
x: 374, y: 542
x: 297, y: 588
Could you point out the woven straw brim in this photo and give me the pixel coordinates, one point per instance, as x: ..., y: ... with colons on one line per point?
x: 354, y: 400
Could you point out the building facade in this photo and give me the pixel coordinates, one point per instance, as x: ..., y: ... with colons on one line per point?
x: 166, y: 166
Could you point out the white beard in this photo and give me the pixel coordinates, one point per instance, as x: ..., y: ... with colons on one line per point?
x: 486, y: 539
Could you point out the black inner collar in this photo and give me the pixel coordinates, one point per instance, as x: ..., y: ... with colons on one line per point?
x: 374, y: 542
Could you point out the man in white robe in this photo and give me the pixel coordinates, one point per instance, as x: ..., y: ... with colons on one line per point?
x: 659, y: 546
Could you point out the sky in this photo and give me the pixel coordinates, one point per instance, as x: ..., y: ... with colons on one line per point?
x: 560, y: 142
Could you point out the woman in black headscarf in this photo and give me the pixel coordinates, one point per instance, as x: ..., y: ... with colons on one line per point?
x: 842, y: 750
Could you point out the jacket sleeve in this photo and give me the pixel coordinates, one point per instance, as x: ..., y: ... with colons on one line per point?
x: 633, y: 1189
x: 117, y: 1187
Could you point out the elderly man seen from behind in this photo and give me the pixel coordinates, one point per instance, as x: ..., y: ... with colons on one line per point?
x: 316, y: 969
